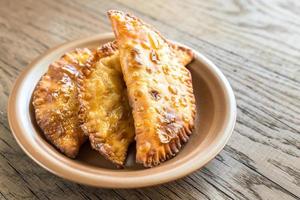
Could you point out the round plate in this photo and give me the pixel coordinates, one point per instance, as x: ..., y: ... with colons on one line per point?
x: 216, y: 114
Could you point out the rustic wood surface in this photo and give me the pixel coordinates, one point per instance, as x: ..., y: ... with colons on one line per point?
x: 255, y: 43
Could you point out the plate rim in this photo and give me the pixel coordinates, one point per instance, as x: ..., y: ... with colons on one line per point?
x: 106, y: 181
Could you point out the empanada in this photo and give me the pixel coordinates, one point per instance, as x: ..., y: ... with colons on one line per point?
x: 159, y: 88
x: 105, y: 112
x: 55, y: 101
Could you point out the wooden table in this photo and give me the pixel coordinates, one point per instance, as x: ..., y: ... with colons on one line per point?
x: 256, y: 44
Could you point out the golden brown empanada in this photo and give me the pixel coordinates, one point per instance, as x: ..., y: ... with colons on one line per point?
x: 55, y: 101
x: 105, y: 112
x: 159, y: 89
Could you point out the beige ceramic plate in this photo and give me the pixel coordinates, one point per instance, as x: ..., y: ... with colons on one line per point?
x: 216, y: 113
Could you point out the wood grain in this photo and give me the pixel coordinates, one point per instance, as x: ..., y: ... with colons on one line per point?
x: 256, y: 44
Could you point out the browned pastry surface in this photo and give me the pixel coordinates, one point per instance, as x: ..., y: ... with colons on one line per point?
x: 159, y: 89
x: 105, y: 112
x: 56, y: 104
x: 183, y: 54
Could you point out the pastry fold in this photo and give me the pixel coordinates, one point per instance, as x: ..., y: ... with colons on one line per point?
x: 104, y: 109
x: 56, y: 104
x: 159, y: 88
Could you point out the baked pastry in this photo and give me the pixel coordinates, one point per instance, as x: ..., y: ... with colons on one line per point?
x: 55, y: 101
x: 184, y: 55
x: 159, y: 87
x: 104, y: 110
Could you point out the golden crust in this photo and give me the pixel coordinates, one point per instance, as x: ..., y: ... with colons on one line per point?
x: 104, y: 110
x: 159, y: 89
x: 184, y: 54
x: 56, y: 104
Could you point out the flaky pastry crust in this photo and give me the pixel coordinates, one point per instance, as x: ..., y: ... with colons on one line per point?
x: 159, y: 86
x: 104, y: 109
x: 55, y: 101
